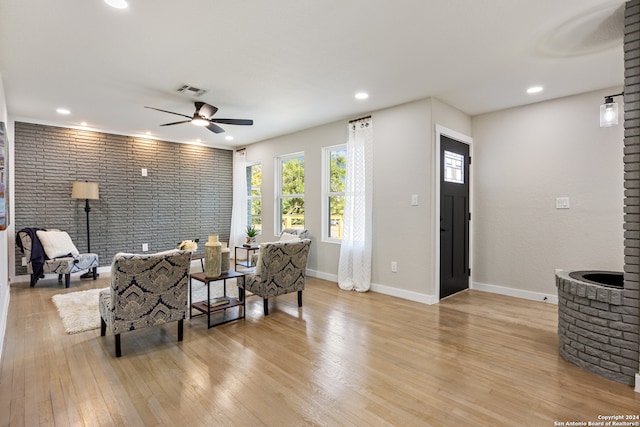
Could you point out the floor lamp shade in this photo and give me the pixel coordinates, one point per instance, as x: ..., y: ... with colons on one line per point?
x: 85, y: 190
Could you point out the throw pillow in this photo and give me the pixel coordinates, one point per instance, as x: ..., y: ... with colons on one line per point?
x: 288, y: 236
x: 56, y: 244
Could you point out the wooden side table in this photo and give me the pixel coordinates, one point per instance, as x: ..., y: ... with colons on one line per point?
x: 250, y: 251
x: 203, y: 306
x: 200, y: 257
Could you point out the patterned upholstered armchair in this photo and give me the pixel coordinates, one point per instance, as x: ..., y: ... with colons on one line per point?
x: 281, y: 269
x: 54, y: 253
x: 146, y: 290
x: 300, y: 233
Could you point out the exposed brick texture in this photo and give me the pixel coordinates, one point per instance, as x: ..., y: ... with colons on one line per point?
x: 186, y: 195
x: 597, y: 329
x: 632, y: 164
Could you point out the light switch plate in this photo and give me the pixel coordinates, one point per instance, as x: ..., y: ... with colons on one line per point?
x: 414, y: 200
x: 562, y: 203
x: 144, y: 172
x: 145, y: 247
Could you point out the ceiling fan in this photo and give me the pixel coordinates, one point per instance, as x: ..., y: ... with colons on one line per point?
x: 203, y: 117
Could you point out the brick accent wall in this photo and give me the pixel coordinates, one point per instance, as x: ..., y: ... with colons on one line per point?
x: 187, y: 193
x: 632, y: 157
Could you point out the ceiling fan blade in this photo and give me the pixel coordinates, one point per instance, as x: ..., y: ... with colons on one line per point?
x: 176, y: 123
x: 215, y: 128
x: 205, y: 110
x: 170, y: 112
x: 243, y: 122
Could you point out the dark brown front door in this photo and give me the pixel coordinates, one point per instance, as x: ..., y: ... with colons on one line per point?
x: 454, y: 216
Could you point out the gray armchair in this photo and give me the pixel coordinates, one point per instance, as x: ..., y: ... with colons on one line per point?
x: 146, y: 290
x: 282, y: 269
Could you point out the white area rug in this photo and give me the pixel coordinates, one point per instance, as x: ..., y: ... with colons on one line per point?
x: 79, y: 310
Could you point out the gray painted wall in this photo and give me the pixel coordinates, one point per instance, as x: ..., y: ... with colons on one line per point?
x: 187, y: 193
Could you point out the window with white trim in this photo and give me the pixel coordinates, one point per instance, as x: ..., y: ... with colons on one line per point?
x: 334, y: 172
x: 289, y: 192
x: 453, y: 167
x: 254, y: 196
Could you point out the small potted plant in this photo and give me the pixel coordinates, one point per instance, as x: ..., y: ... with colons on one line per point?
x: 252, y: 232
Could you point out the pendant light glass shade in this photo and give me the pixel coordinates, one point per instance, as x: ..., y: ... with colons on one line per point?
x: 608, y: 114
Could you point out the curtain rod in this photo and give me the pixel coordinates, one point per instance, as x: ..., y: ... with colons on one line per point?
x: 361, y: 118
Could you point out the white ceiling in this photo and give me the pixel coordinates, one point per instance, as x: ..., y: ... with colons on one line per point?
x: 295, y: 64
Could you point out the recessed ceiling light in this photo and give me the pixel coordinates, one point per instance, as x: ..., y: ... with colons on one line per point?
x: 362, y: 95
x: 148, y: 133
x: 63, y: 111
x: 229, y: 138
x: 118, y: 4
x: 83, y: 124
x: 534, y: 89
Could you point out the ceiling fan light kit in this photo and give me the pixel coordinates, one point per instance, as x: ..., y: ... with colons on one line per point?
x: 203, y: 116
x: 199, y: 121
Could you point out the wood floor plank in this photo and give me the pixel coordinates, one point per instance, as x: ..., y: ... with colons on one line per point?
x: 344, y: 358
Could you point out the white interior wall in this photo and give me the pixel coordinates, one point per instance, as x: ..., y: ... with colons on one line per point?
x: 6, y: 243
x: 523, y: 159
x: 403, y: 165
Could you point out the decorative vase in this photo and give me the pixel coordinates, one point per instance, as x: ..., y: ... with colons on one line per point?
x: 224, y: 263
x: 212, y: 256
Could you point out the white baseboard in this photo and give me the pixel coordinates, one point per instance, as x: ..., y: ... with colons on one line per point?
x: 518, y: 293
x: 404, y: 294
x: 106, y: 270
x: 4, y: 311
x: 383, y: 289
x: 322, y: 275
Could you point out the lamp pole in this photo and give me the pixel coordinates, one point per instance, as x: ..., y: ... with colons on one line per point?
x: 86, y: 190
x: 89, y: 274
x: 87, y: 209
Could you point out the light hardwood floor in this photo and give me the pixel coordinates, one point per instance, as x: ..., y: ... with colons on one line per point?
x: 344, y: 358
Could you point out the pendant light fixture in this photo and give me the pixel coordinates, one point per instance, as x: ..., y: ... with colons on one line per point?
x: 609, y: 111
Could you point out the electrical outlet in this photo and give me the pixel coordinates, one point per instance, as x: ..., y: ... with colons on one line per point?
x: 24, y: 261
x: 144, y: 172
x: 145, y: 247
x: 394, y: 267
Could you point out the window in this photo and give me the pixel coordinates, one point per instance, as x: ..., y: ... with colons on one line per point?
x: 254, y: 196
x: 290, y: 192
x: 334, y: 174
x: 453, y: 167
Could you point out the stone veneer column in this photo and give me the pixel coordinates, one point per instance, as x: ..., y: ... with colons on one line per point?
x: 632, y: 158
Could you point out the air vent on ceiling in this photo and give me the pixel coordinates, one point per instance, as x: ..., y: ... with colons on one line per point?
x: 191, y: 91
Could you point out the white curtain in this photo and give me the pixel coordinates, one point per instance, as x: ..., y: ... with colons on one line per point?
x: 354, y: 270
x: 238, y: 232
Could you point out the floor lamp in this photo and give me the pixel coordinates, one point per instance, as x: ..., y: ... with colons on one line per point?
x: 87, y: 191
